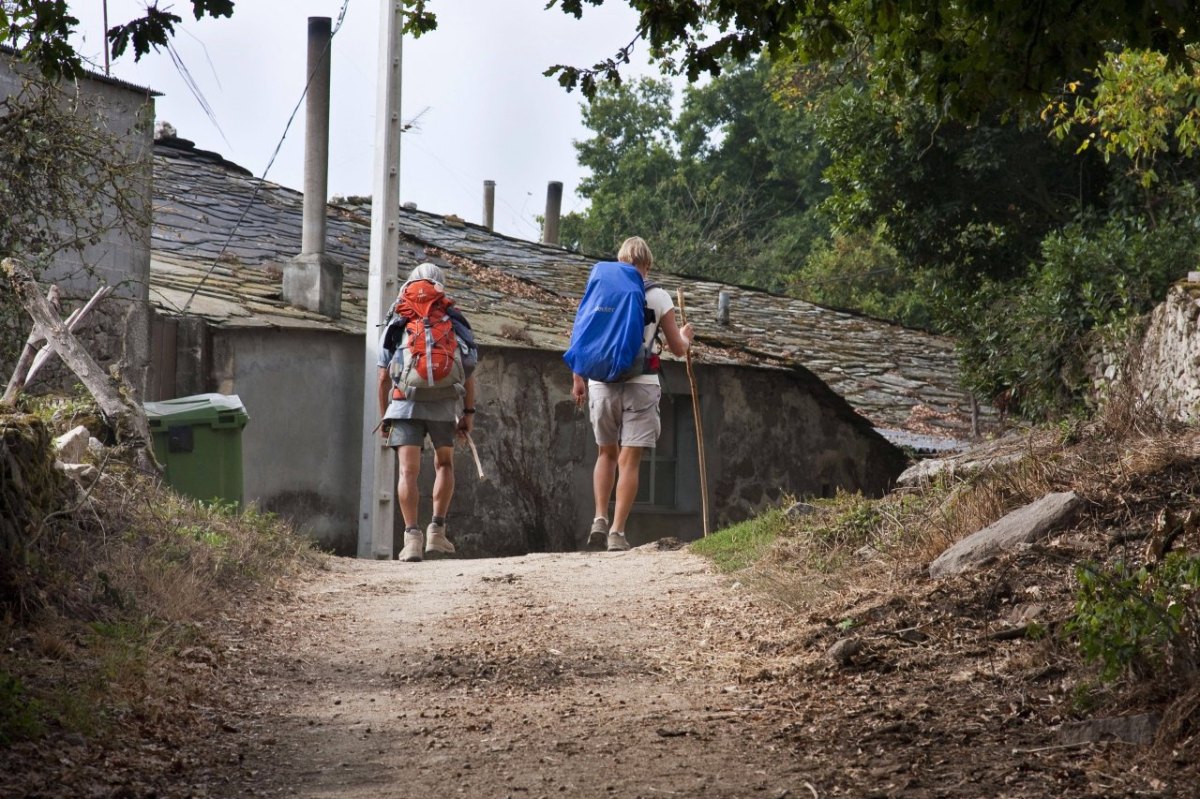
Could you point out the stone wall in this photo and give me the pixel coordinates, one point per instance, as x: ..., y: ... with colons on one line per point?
x: 1165, y: 371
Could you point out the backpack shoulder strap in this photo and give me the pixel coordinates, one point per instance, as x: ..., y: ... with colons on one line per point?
x: 457, y: 315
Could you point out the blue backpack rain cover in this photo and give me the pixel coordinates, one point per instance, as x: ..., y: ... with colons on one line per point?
x: 606, y: 341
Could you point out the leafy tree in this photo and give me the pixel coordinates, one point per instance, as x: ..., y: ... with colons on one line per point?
x: 1139, y: 106
x: 861, y: 271
x: 726, y: 190
x: 970, y: 200
x: 959, y: 56
x: 39, y: 30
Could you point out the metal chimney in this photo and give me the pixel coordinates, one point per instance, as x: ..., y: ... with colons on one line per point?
x: 553, y: 209
x: 313, y: 280
x: 489, y: 204
x: 316, y: 136
x: 723, y: 308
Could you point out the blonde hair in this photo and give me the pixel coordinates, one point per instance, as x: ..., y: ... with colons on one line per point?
x: 634, y: 250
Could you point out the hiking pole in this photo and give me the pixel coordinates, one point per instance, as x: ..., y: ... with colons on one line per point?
x: 696, y: 417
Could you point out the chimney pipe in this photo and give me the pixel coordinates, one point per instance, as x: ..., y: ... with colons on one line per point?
x: 723, y: 308
x: 489, y: 204
x: 313, y: 280
x: 553, y: 209
x: 316, y: 136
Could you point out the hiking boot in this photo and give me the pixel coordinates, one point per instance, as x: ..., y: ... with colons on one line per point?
x: 414, y: 541
x: 599, y: 532
x: 436, y: 543
x: 617, y: 542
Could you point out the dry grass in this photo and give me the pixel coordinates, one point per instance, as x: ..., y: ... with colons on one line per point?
x: 110, y: 585
x: 1126, y: 473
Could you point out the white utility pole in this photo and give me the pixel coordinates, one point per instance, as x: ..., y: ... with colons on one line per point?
x: 378, y: 485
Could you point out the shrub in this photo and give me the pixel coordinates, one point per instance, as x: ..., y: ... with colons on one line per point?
x: 1140, y: 620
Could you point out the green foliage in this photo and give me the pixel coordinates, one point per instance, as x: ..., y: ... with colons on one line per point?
x: 1029, y: 339
x: 960, y: 57
x: 1138, y: 621
x: 957, y: 201
x: 1140, y: 106
x: 726, y: 190
x: 741, y: 545
x: 861, y: 271
x: 20, y: 714
x: 40, y: 32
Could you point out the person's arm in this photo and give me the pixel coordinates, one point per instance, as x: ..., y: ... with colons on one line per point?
x: 578, y: 389
x: 467, y: 423
x: 678, y: 339
x: 384, y: 388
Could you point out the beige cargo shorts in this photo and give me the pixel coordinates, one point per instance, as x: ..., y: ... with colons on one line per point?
x: 625, y: 413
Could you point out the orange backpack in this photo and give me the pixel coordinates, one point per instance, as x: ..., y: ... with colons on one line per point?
x: 428, y: 363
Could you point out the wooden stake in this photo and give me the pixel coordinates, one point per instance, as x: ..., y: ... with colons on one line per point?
x: 127, y: 418
x: 696, y: 418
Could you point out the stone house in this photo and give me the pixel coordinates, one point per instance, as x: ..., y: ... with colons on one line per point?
x: 796, y: 400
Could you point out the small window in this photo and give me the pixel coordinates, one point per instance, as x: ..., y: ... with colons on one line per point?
x: 657, y: 477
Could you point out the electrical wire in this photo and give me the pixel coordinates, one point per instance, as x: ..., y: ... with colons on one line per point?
x: 278, y: 147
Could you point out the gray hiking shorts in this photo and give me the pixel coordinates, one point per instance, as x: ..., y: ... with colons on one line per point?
x: 625, y: 413
x: 411, y: 433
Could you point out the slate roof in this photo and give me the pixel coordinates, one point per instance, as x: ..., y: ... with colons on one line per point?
x: 221, y: 236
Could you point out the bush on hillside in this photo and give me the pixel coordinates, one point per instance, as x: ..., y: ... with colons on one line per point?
x: 104, y: 582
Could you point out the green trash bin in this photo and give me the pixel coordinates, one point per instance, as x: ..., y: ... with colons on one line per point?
x: 198, y: 441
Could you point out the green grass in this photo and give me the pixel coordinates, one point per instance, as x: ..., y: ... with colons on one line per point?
x: 20, y: 715
x: 734, y: 548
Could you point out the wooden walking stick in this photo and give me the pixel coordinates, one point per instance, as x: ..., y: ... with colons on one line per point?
x: 696, y: 418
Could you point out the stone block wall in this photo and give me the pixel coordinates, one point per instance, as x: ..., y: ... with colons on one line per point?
x: 1166, y: 367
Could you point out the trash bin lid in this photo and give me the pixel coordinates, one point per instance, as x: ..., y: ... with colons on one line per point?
x: 218, y: 410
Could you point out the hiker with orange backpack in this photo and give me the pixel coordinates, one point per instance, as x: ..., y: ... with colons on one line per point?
x: 426, y: 358
x: 613, y: 358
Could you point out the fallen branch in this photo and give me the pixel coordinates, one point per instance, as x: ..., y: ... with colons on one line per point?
x: 127, y: 419
x: 20, y: 375
x: 73, y: 321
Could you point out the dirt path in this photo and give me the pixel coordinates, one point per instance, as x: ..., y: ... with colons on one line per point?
x: 548, y: 675
x: 642, y: 674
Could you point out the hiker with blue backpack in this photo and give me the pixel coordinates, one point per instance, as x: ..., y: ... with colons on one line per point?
x: 427, y: 355
x: 614, y: 358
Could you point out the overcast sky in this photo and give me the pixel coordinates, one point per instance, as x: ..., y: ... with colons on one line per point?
x: 473, y: 88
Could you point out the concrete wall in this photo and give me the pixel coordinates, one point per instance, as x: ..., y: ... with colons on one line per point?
x: 783, y: 432
x: 118, y: 334
x: 300, y: 448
